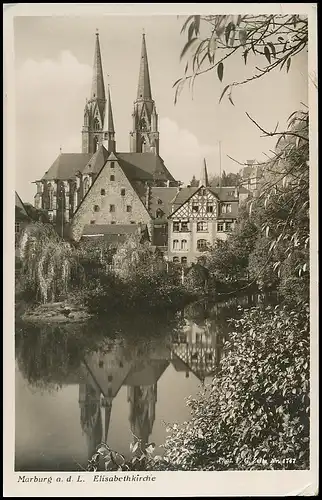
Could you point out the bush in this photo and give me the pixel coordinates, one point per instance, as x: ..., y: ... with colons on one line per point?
x: 255, y: 416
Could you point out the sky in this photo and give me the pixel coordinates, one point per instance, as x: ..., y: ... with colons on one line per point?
x: 53, y: 71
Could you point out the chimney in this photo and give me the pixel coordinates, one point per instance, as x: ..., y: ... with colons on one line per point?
x: 168, y: 183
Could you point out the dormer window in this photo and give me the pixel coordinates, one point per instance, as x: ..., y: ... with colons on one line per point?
x: 159, y: 202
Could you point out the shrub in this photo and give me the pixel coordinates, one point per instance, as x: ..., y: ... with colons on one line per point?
x: 255, y: 416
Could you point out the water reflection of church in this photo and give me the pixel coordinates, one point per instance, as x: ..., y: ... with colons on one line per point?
x: 194, y: 350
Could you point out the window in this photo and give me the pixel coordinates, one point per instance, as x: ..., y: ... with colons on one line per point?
x: 159, y: 202
x: 176, y: 259
x: 201, y: 244
x: 128, y: 208
x: 176, y: 226
x: 112, y: 208
x: 103, y: 192
x: 100, y: 364
x: 110, y: 392
x: 112, y: 177
x: 184, y: 244
x: 113, y: 222
x: 112, y: 164
x: 175, y: 245
x: 92, y: 222
x: 96, y: 124
x: 110, y: 378
x: 220, y: 226
x: 122, y: 192
x: 184, y: 226
x: 229, y: 226
x: 210, y: 209
x: 201, y: 192
x: 226, y: 207
x: 195, y: 206
x: 96, y: 208
x: 230, y: 193
x: 17, y: 227
x: 159, y: 213
x: 202, y: 226
x: 183, y: 260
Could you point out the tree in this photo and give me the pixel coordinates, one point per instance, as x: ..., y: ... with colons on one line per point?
x: 255, y: 415
x: 273, y: 39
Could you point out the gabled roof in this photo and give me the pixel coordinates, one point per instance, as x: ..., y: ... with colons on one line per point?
x: 66, y: 166
x: 20, y: 206
x: 146, y: 373
x: 96, y: 161
x: 164, y: 195
x: 143, y: 166
x: 183, y: 195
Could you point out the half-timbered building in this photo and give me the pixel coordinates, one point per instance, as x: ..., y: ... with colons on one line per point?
x: 199, y: 216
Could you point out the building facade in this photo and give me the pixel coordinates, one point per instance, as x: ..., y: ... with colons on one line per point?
x: 201, y: 215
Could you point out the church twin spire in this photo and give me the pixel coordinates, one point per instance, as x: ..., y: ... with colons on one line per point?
x: 98, y: 115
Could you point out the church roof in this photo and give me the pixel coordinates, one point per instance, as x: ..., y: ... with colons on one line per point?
x: 96, y: 161
x: 143, y: 166
x: 146, y: 373
x: 66, y: 165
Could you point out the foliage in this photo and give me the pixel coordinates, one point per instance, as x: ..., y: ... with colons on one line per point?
x: 142, y: 459
x: 135, y: 258
x: 255, y: 416
x: 48, y: 262
x: 271, y: 40
x: 270, y: 244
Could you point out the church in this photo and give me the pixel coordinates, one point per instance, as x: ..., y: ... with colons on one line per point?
x: 101, y: 191
x: 107, y: 194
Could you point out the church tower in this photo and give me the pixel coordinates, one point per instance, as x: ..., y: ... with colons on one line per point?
x: 144, y: 137
x: 92, y: 133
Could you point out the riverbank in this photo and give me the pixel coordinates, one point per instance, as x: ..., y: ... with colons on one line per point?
x: 58, y: 312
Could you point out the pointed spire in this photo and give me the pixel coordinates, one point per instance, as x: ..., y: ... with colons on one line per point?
x: 204, y: 175
x: 144, y: 86
x: 98, y: 89
x: 109, y: 131
x: 108, y: 120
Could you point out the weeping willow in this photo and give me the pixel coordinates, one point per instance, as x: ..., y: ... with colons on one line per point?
x: 48, y: 263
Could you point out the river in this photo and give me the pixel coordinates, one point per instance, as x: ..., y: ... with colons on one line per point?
x: 111, y: 380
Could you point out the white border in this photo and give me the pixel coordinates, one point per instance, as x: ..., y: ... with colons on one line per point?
x: 270, y: 483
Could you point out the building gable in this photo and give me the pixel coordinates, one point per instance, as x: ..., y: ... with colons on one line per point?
x: 110, y: 199
x: 202, y: 204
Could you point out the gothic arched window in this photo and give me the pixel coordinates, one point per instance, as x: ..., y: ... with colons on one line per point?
x: 143, y: 124
x: 86, y: 185
x: 95, y: 143
x: 50, y: 197
x: 96, y: 124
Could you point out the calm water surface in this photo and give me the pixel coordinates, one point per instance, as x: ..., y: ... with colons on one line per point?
x: 110, y: 381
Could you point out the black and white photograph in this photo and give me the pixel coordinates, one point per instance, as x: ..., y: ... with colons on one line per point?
x: 165, y: 246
